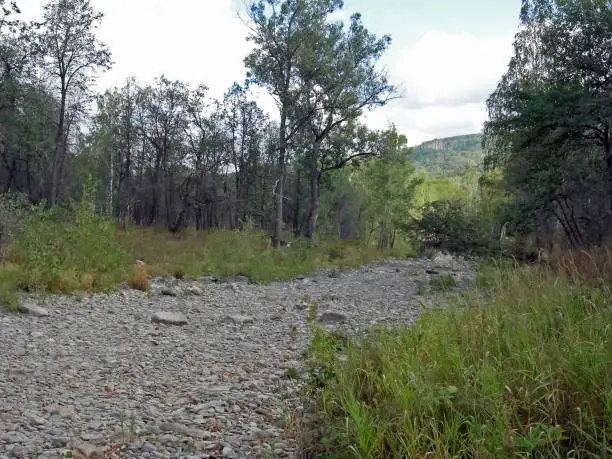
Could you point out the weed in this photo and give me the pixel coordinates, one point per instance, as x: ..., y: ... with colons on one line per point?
x: 421, y: 288
x: 442, y: 283
x: 139, y: 279
x: 293, y: 332
x: 313, y: 311
x: 291, y: 373
x: 521, y: 369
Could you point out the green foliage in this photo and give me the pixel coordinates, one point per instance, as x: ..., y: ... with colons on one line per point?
x: 246, y: 253
x: 66, y: 249
x: 388, y: 185
x: 9, y: 287
x: 522, y: 370
x: 448, y: 225
x: 443, y: 283
x: 449, y: 157
x: 549, y: 121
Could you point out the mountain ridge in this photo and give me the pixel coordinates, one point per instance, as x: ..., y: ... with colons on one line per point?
x: 449, y: 156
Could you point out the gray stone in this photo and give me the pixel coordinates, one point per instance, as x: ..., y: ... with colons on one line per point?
x: 229, y: 452
x: 238, y: 319
x: 33, y: 310
x: 194, y: 290
x: 169, y: 291
x: 59, y: 442
x: 329, y: 318
x: 170, y: 318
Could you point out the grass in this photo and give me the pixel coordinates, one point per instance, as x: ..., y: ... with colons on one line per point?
x: 245, y: 253
x: 66, y: 250
x: 521, y: 366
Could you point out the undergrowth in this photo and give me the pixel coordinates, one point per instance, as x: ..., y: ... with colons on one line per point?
x: 521, y: 366
x: 71, y: 249
x: 245, y: 253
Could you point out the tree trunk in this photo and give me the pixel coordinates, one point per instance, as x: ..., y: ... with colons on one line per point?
x: 314, y: 190
x: 279, y: 188
x: 59, y: 150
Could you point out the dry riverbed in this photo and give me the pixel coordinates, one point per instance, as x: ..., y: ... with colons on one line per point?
x: 107, y: 376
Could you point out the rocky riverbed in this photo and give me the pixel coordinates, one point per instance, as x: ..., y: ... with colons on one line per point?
x: 192, y: 369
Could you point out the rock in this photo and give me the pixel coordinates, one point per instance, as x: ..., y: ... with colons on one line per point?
x: 169, y: 291
x: 170, y: 318
x: 89, y: 450
x: 33, y: 310
x: 432, y: 271
x: 67, y: 411
x: 59, y: 442
x: 238, y: 319
x: 194, y: 290
x: 329, y: 318
x: 229, y: 452
x: 140, y: 263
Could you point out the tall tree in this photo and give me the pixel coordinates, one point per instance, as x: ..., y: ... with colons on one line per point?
x: 339, y: 73
x: 72, y: 54
x: 550, y: 127
x: 280, y: 29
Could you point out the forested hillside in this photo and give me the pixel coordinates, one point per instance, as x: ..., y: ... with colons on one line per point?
x: 450, y: 156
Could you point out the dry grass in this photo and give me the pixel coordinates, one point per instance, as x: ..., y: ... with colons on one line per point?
x: 139, y: 278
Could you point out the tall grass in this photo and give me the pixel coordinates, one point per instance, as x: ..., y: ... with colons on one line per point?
x: 63, y: 250
x: 521, y: 367
x: 69, y: 249
x: 247, y: 253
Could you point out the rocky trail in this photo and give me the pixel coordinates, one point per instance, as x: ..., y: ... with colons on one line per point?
x: 193, y: 369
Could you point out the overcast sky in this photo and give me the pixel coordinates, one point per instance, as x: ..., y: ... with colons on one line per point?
x: 447, y: 55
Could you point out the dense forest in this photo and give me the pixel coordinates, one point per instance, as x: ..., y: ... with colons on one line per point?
x: 168, y: 155
x: 449, y: 157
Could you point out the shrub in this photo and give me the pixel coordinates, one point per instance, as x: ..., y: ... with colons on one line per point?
x: 14, y: 210
x: 67, y: 249
x: 447, y: 225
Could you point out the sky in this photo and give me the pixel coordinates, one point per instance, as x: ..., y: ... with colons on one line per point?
x: 446, y: 55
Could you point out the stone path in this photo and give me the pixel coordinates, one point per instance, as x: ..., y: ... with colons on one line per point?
x: 100, y: 376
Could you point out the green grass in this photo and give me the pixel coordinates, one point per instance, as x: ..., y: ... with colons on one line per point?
x: 245, y: 253
x: 67, y: 250
x: 522, y: 367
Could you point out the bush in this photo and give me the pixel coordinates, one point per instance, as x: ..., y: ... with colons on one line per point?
x: 447, y: 225
x: 15, y: 208
x: 67, y: 249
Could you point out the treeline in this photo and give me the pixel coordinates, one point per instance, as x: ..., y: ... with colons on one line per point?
x: 550, y: 127
x: 169, y: 154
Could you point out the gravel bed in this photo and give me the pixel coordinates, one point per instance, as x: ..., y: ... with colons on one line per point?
x: 192, y: 369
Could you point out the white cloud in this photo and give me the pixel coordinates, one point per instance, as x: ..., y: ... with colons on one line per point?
x: 200, y: 41
x: 445, y: 80
x: 445, y: 77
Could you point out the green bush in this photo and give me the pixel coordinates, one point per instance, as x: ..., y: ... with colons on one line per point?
x: 67, y: 249
x: 448, y: 225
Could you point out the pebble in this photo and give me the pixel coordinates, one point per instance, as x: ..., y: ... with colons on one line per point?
x: 98, y: 378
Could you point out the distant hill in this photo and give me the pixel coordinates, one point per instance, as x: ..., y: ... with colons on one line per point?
x: 450, y: 156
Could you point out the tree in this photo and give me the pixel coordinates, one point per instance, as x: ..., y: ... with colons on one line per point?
x: 280, y: 30
x: 72, y: 54
x: 341, y: 80
x: 389, y: 184
x: 26, y: 107
x: 551, y: 120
